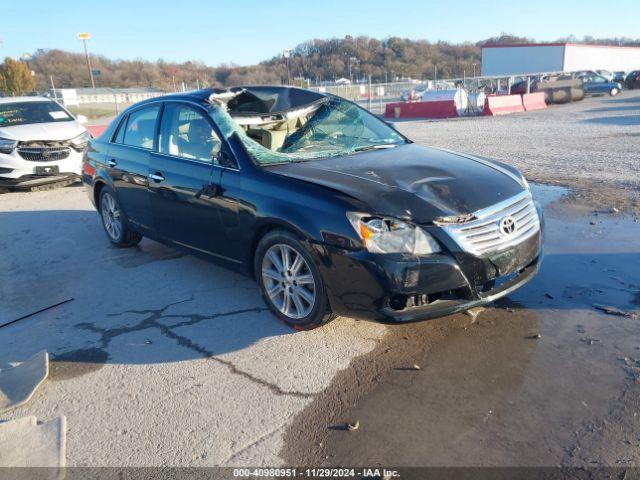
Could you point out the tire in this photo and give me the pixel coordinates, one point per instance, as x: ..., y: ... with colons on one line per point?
x: 114, y: 221
x: 614, y: 91
x: 307, y: 306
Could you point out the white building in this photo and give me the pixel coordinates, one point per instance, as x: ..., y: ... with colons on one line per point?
x: 79, y: 96
x: 557, y: 57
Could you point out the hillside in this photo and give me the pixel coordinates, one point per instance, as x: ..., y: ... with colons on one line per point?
x: 317, y: 60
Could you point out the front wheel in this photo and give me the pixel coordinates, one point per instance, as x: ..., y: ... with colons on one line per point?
x: 614, y: 91
x: 290, y: 281
x: 114, y: 221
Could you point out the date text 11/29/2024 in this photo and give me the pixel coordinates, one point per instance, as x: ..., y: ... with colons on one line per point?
x: 371, y: 473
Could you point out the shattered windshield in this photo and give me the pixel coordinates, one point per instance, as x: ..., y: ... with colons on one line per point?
x: 329, y: 128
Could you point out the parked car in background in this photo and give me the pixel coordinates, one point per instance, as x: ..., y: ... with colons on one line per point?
x: 594, y: 84
x: 329, y: 208
x: 609, y: 76
x: 633, y: 80
x: 414, y: 93
x: 40, y: 142
x: 619, y: 77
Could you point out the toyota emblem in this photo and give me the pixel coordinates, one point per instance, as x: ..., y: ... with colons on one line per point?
x: 508, y: 225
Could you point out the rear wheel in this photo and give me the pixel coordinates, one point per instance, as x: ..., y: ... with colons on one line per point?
x: 290, y: 282
x: 114, y: 221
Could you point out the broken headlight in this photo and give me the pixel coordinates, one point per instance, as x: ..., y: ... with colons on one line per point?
x: 7, y: 146
x: 81, y: 141
x: 388, y: 235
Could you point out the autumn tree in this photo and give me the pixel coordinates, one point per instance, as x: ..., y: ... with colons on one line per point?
x: 15, y: 77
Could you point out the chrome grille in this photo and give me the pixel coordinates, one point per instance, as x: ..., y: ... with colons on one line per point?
x: 486, y: 234
x: 44, y: 154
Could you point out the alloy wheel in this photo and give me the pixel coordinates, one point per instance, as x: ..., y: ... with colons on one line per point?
x: 111, y: 216
x: 288, y: 281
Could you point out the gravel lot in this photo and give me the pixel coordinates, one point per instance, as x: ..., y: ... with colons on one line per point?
x: 164, y: 359
x: 592, y: 145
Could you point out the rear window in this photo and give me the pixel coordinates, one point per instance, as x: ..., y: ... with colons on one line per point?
x: 141, y: 128
x: 25, y: 113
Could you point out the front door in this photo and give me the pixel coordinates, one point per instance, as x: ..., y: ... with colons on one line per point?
x: 128, y: 164
x: 183, y: 184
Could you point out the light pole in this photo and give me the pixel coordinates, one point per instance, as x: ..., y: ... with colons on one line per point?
x: 474, y: 69
x: 26, y: 58
x: 84, y: 37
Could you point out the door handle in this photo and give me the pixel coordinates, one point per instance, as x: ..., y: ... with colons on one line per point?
x: 112, y: 163
x: 156, y: 177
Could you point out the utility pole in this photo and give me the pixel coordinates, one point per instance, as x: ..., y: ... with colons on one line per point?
x: 287, y: 54
x: 84, y: 37
x: 354, y: 60
x: 53, y: 88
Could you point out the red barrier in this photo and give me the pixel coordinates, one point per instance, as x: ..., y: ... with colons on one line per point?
x: 96, y: 130
x: 533, y: 101
x: 502, y: 104
x: 439, y: 109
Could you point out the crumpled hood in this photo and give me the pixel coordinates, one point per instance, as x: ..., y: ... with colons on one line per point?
x: 410, y: 181
x: 43, y: 131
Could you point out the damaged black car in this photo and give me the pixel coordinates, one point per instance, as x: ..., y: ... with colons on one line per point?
x: 329, y: 208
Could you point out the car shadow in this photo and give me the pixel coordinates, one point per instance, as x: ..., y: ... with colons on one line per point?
x: 622, y: 120
x: 624, y: 98
x: 146, y: 304
x: 621, y: 108
x: 151, y: 304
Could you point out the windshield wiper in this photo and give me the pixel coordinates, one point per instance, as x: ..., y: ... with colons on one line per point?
x: 380, y: 146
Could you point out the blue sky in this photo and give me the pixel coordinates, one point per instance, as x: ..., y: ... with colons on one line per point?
x: 245, y: 32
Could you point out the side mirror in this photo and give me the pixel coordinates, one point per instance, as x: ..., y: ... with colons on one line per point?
x: 223, y: 159
x: 82, y: 119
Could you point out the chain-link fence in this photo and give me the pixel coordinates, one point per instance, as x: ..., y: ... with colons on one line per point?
x: 372, y: 96
x: 375, y: 96
x: 103, y: 103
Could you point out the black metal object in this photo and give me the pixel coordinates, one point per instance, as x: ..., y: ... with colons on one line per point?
x: 36, y: 312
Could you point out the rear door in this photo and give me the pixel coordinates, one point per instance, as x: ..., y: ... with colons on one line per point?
x: 184, y: 186
x: 128, y: 163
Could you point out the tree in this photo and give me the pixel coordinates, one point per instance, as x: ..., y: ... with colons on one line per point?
x: 317, y: 60
x: 15, y: 77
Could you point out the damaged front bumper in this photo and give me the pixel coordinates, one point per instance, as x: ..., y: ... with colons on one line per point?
x: 403, y: 288
x: 447, y: 306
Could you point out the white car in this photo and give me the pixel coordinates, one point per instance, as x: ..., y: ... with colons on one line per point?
x: 40, y: 141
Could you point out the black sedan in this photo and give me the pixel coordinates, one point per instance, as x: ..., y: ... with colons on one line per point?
x: 329, y: 208
x: 633, y: 80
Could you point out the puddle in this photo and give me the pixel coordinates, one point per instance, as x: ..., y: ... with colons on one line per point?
x: 77, y: 363
x: 525, y: 384
x: 547, y: 194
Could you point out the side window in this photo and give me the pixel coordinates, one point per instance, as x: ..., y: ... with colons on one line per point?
x: 121, y: 128
x: 185, y: 132
x: 141, y: 128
